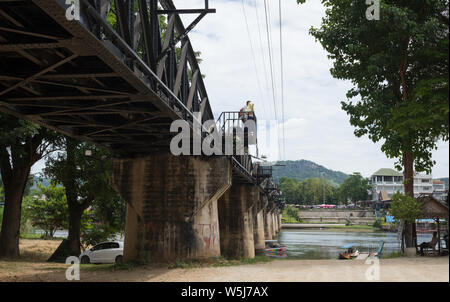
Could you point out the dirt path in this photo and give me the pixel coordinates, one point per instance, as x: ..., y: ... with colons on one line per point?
x: 416, y: 269
x: 400, y: 269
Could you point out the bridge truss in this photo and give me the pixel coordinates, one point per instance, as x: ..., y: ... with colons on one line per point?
x: 117, y: 77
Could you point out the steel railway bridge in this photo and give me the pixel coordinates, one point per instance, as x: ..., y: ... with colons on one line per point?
x: 117, y: 73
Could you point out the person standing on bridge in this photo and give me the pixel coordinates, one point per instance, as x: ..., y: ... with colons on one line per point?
x: 250, y: 111
x: 242, y: 114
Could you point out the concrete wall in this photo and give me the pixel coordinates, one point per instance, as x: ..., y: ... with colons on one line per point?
x: 172, y: 210
x: 356, y: 220
x: 335, y: 213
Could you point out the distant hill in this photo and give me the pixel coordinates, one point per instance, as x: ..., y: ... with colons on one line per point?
x: 303, y: 169
x: 445, y: 180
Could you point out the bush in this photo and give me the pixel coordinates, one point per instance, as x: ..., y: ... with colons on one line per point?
x: 292, y: 212
x: 378, y: 223
x: 405, y: 208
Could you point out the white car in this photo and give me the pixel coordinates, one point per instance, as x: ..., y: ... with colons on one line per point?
x: 105, y: 252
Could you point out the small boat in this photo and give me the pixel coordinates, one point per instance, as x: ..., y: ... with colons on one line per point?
x: 350, y: 253
x: 273, y: 248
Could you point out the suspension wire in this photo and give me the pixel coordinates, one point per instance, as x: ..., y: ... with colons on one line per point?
x: 269, y: 45
x: 263, y: 57
x: 270, y: 59
x: 282, y: 79
x: 254, y: 59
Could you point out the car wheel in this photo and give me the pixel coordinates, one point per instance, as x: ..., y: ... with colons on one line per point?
x: 119, y: 259
x: 85, y: 260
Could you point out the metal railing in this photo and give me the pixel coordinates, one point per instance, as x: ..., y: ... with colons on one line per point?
x: 136, y: 62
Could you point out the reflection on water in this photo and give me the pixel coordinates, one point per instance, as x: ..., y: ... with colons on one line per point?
x: 326, y: 244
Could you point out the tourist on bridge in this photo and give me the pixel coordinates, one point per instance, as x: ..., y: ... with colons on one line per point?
x: 250, y: 111
x: 242, y: 114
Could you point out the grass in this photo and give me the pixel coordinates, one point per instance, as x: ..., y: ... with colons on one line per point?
x: 37, y: 236
x: 108, y: 267
x: 289, y: 219
x: 359, y: 227
x: 393, y: 255
x: 30, y: 236
x: 217, y: 262
x: 183, y: 264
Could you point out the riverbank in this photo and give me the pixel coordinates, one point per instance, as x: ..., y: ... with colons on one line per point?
x: 417, y: 269
x: 328, y: 226
x: 33, y: 267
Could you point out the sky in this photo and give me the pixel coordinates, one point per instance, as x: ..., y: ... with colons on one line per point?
x: 316, y: 128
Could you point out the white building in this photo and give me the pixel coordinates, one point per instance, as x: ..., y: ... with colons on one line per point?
x: 390, y: 181
x: 439, y: 191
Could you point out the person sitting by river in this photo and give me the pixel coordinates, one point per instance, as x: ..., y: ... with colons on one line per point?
x: 430, y: 244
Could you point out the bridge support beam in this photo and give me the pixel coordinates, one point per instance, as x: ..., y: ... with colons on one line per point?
x: 258, y: 232
x: 280, y: 221
x: 172, y: 208
x: 236, y: 221
x: 275, y: 222
x: 268, y: 222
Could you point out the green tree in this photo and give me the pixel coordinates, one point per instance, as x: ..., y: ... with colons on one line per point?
x: 308, y: 191
x: 354, y: 188
x: 2, y: 194
x: 406, y: 209
x: 107, y: 219
x: 85, y: 178
x: 399, y: 68
x: 22, y: 144
x: 48, y: 209
x: 292, y: 212
x: 289, y: 188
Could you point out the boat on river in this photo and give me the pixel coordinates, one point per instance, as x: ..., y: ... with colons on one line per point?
x: 351, y: 253
x: 275, y: 249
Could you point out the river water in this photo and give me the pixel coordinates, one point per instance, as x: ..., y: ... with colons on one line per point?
x: 326, y: 243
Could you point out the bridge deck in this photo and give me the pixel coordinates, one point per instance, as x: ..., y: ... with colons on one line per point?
x: 81, y: 78
x: 57, y: 73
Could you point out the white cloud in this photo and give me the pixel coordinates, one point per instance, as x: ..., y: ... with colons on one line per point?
x: 316, y: 128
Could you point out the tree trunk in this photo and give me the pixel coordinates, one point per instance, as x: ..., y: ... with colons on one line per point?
x: 74, y: 231
x: 408, y: 174
x: 71, y: 245
x: 10, y: 232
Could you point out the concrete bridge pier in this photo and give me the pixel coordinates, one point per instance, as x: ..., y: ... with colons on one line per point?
x: 280, y: 215
x: 268, y: 224
x: 172, y: 210
x: 258, y: 232
x: 258, y: 224
x: 276, y: 229
x: 236, y: 221
x: 274, y: 223
x: 276, y: 217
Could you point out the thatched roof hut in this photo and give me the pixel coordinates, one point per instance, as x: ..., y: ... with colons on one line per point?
x: 432, y: 208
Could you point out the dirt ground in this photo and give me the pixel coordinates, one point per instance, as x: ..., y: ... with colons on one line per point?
x: 32, y: 267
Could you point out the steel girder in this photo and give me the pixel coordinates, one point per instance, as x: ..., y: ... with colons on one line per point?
x: 118, y: 84
x: 117, y: 77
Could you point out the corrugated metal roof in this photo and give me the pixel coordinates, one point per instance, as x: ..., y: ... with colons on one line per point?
x: 387, y: 172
